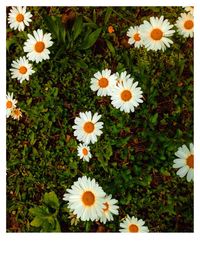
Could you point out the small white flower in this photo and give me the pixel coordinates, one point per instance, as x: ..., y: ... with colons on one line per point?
x: 123, y: 76
x: 85, y: 199
x: 155, y: 33
x: 134, y: 36
x: 185, y: 25
x: 37, y: 46
x: 87, y: 127
x: 16, y: 113
x: 84, y: 152
x: 133, y: 225
x: 18, y: 18
x: 10, y: 104
x: 109, y: 209
x: 21, y: 69
x: 185, y: 162
x: 127, y: 96
x: 103, y: 82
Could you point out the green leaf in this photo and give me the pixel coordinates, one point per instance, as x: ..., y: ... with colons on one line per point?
x: 77, y: 27
x: 91, y: 39
x: 154, y: 119
x: 110, y: 46
x: 51, y: 200
x: 107, y: 16
x: 37, y: 222
x: 39, y: 211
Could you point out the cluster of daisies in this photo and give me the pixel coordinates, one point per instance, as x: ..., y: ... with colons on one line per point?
x: 87, y: 200
x: 11, y: 108
x: 36, y: 45
x: 154, y: 34
x: 125, y: 95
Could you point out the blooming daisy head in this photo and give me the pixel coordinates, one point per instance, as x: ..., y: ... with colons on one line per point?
x: 37, y: 46
x: 133, y: 225
x: 155, y: 33
x: 21, y: 69
x: 18, y: 18
x: 123, y: 76
x: 103, y: 82
x: 85, y: 199
x: 189, y: 9
x: 126, y: 96
x: 84, y: 152
x: 109, y: 208
x: 87, y: 127
x: 185, y: 25
x: 16, y: 113
x: 185, y: 162
x: 134, y: 36
x: 10, y: 104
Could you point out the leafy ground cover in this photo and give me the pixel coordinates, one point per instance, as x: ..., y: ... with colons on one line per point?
x: 133, y: 158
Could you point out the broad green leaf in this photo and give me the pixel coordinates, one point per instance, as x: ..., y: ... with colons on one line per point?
x: 110, y: 46
x: 91, y: 39
x: 107, y: 16
x: 51, y: 200
x: 37, y: 222
x: 77, y: 27
x: 39, y: 211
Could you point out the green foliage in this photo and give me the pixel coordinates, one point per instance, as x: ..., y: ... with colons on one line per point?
x: 133, y: 158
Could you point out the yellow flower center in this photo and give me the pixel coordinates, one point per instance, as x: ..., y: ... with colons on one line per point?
x: 106, y: 207
x: 85, y: 151
x: 190, y: 161
x: 156, y: 34
x: 23, y: 70
x: 189, y: 24
x: 19, y: 17
x: 39, y: 46
x: 133, y: 228
x: 126, y: 95
x: 88, y: 127
x: 136, y: 37
x: 88, y: 198
x: 103, y: 82
x: 9, y: 104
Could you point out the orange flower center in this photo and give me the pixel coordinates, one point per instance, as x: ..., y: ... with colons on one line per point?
x: 88, y: 127
x: 126, y: 95
x: 17, y: 112
x: 189, y: 24
x: 19, y: 17
x: 39, y: 46
x: 156, y: 34
x: 111, y: 29
x: 85, y: 151
x: 88, y: 198
x: 103, y: 82
x: 133, y: 228
x: 9, y: 104
x: 106, y: 207
x: 190, y: 161
x: 136, y: 37
x: 22, y: 69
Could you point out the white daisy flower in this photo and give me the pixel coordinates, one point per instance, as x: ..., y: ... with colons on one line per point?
x: 16, y: 113
x: 189, y: 9
x: 134, y: 36
x: 127, y: 96
x: 84, y: 152
x: 155, y: 33
x: 18, y: 18
x: 103, y: 82
x: 109, y: 209
x: 133, y: 225
x: 10, y: 104
x: 21, y: 69
x: 122, y: 77
x: 185, y: 162
x: 37, y: 46
x: 185, y: 25
x: 87, y: 127
x: 85, y: 199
